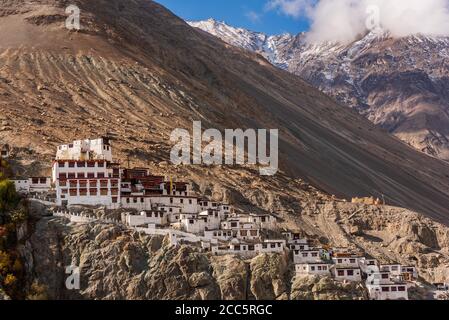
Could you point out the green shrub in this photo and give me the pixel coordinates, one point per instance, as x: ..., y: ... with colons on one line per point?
x: 9, y: 198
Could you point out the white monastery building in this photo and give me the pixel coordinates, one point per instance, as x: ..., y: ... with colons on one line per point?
x: 83, y: 173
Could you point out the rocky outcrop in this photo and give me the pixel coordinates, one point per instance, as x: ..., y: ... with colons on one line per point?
x: 117, y: 263
x: 269, y: 277
x: 389, y: 234
x: 326, y: 288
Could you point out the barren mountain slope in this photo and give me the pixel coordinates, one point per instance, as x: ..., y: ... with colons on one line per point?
x: 135, y: 72
x: 399, y: 84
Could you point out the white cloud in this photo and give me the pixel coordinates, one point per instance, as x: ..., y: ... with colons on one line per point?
x: 294, y: 8
x: 343, y: 20
x: 253, y: 16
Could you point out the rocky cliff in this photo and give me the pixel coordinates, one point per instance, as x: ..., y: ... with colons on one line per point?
x: 117, y: 263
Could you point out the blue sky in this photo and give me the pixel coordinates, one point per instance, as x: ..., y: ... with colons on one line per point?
x: 249, y: 14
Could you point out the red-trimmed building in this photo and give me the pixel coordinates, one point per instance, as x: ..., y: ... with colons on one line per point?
x: 84, y: 173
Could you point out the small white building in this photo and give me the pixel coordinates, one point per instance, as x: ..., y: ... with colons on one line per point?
x: 307, y: 256
x: 347, y: 261
x: 249, y: 249
x: 245, y: 250
x: 395, y: 269
x: 409, y: 273
x: 248, y: 234
x: 220, y: 235
x: 212, y: 218
x: 199, y: 223
x: 22, y: 186
x: 153, y: 217
x: 271, y: 246
x: 369, y: 266
x: 98, y: 149
x: 186, y: 204
x: 263, y: 221
x: 33, y: 185
x: 347, y: 274
x: 312, y: 269
x: 192, y: 223
x: 231, y: 224
x: 40, y: 184
x: 381, y: 287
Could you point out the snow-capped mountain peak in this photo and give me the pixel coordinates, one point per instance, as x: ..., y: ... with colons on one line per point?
x: 255, y: 41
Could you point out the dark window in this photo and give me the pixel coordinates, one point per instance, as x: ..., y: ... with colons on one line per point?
x: 341, y: 273
x: 350, y: 273
x: 402, y: 289
x: 385, y: 289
